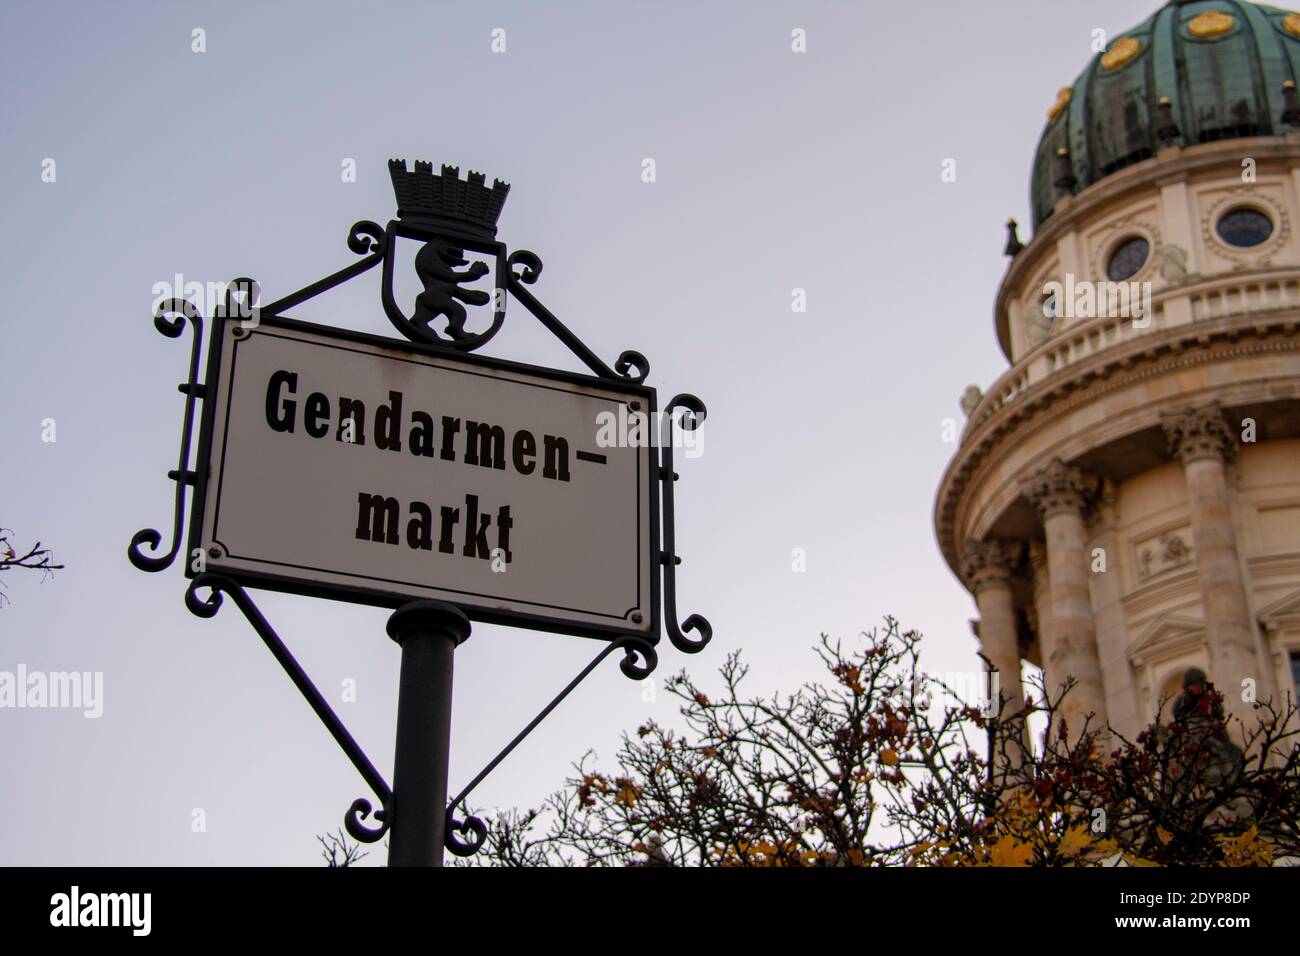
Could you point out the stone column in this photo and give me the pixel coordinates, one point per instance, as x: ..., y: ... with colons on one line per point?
x: 1042, y: 610
x: 986, y: 568
x: 1203, y: 442
x: 1108, y: 614
x: 1060, y: 493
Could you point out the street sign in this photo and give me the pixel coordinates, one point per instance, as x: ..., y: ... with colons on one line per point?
x: 414, y: 474
x: 349, y: 466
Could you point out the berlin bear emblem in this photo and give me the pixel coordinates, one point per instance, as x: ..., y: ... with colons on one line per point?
x: 449, y: 217
x: 435, y: 264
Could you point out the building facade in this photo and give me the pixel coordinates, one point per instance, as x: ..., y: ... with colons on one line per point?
x: 1124, y: 502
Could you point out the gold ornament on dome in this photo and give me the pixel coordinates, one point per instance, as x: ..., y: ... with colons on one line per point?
x: 1292, y: 23
x: 1120, y: 53
x: 1211, y: 24
x: 1062, y: 101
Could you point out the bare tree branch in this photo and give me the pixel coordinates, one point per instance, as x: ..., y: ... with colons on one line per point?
x: 36, y: 558
x: 338, y: 850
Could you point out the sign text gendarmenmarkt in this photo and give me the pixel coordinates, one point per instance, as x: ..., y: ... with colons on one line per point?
x: 340, y: 464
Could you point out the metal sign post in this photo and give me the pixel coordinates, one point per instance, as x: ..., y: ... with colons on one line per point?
x: 415, y: 475
x: 429, y: 633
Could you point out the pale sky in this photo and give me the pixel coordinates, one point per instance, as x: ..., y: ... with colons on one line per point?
x: 775, y: 170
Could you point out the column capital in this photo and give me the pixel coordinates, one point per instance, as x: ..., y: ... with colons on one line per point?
x: 1199, y: 433
x: 990, y: 561
x: 1059, y: 487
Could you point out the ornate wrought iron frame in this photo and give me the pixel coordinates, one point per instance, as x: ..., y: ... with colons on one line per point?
x: 375, y: 244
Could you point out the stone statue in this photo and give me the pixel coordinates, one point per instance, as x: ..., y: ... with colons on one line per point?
x: 1038, y: 325
x: 1200, y: 725
x: 1197, y: 703
x: 970, y: 399
x: 1173, y: 264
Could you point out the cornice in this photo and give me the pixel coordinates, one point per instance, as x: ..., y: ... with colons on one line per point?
x: 1169, y: 166
x: 1152, y: 355
x: 1266, y: 568
x: 1158, y: 594
x: 1098, y: 326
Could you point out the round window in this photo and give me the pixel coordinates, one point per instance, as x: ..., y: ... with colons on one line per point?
x: 1244, y: 227
x: 1129, y: 256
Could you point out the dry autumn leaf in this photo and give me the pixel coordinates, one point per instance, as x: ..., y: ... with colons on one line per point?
x: 1076, y: 840
x: 627, y: 793
x: 1011, y: 852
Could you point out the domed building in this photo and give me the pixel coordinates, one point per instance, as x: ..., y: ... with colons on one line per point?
x: 1124, y: 502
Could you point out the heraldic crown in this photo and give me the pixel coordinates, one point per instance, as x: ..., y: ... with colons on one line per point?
x: 462, y: 207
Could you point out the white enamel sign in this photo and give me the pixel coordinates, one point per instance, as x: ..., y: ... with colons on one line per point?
x: 340, y: 465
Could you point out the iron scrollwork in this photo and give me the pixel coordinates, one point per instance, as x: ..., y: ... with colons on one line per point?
x: 693, y: 413
x: 525, y: 269
x: 450, y: 217
x: 169, y: 319
x: 638, y: 663
x: 365, y: 238
x: 361, y: 808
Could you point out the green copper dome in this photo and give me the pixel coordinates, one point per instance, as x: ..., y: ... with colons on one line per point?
x: 1221, y: 65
